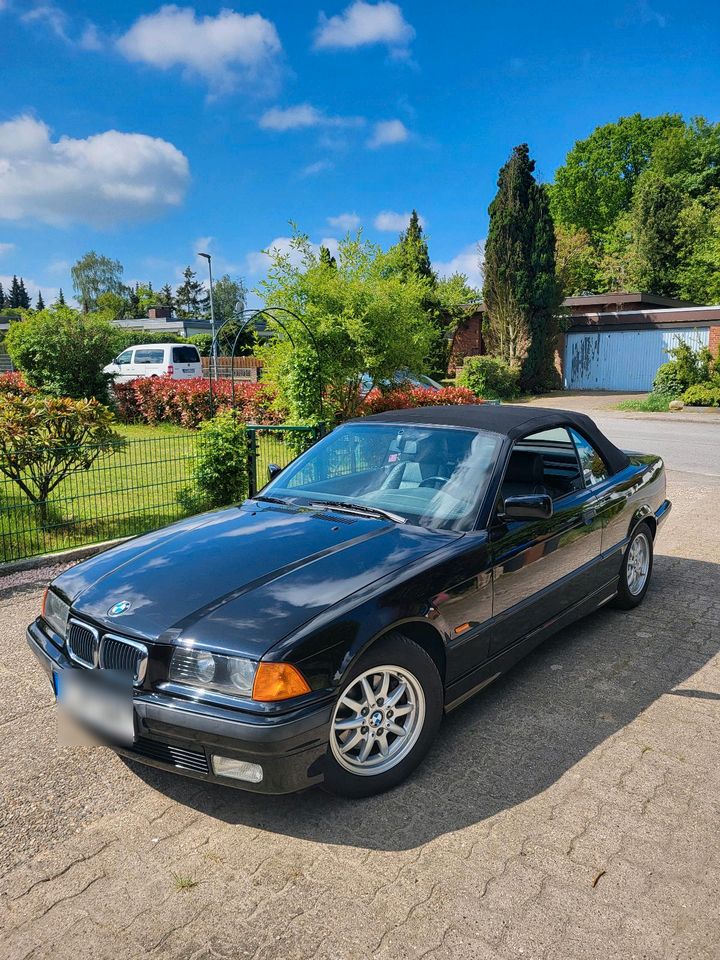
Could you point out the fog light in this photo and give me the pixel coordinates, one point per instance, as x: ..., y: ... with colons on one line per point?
x: 237, y: 769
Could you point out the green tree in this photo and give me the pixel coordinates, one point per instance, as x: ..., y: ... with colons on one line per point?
x: 14, y: 300
x: 229, y: 297
x: 62, y: 351
x: 60, y: 302
x: 538, y: 369
x: 166, y: 298
x: 656, y: 210
x: 326, y: 257
x: 363, y: 317
x: 520, y: 290
x: 23, y: 296
x: 2, y: 297
x: 596, y: 182
x: 45, y: 439
x: 40, y: 303
x: 93, y: 275
x: 113, y: 305
x: 191, y: 298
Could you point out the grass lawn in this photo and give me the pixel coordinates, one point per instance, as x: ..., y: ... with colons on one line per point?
x: 652, y: 403
x: 130, y: 492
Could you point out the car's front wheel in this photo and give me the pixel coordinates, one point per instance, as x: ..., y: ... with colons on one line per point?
x: 384, y: 720
x: 636, y: 569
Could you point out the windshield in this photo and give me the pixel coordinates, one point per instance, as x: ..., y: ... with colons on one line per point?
x: 433, y: 476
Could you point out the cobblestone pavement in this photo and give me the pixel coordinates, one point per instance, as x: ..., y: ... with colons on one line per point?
x: 571, y: 811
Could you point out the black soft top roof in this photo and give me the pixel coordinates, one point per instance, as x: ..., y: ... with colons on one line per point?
x: 510, y: 420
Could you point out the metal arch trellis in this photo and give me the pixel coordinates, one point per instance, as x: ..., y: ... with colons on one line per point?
x: 253, y: 314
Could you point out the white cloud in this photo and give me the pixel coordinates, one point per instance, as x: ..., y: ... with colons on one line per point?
x: 304, y: 115
x: 51, y: 16
x: 467, y: 261
x: 100, y: 180
x: 390, y: 221
x: 344, y: 221
x: 258, y: 262
x: 6, y: 248
x: 362, y: 24
x: 387, y: 132
x: 313, y: 169
x: 223, y: 50
x: 90, y: 38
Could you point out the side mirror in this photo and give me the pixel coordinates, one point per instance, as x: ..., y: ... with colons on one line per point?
x: 535, y: 506
x: 273, y: 470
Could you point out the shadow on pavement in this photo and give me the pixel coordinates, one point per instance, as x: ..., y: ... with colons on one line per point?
x: 515, y: 739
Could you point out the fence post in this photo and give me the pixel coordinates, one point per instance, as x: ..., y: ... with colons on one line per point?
x: 252, y: 461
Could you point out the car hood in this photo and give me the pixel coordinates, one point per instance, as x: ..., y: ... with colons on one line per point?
x: 243, y: 578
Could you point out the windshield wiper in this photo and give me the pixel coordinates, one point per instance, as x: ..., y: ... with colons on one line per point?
x: 343, y: 506
x: 270, y: 499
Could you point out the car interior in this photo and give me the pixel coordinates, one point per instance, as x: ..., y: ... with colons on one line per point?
x: 545, y: 463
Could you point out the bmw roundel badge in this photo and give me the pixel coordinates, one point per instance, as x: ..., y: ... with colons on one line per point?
x: 117, y: 608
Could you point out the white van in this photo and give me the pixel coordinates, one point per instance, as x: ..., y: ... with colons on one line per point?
x: 180, y: 361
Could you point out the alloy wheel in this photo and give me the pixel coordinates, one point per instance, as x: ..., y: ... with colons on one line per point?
x: 377, y: 720
x: 638, y: 564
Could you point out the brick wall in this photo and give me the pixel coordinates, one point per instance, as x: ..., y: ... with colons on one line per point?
x: 714, y: 340
x: 467, y: 342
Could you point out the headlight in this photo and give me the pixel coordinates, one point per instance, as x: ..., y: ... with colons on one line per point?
x: 213, y: 671
x: 55, y: 612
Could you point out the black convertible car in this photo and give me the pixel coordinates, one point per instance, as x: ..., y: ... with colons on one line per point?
x: 317, y: 632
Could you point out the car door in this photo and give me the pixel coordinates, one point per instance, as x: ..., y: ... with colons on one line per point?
x: 543, y: 567
x: 186, y: 363
x: 123, y: 365
x: 149, y: 362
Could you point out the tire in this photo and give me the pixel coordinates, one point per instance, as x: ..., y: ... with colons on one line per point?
x: 636, y: 569
x: 367, y: 711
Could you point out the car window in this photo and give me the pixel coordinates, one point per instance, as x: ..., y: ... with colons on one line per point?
x: 125, y: 357
x: 544, y: 462
x: 185, y: 355
x: 433, y: 476
x: 593, y: 466
x: 150, y: 356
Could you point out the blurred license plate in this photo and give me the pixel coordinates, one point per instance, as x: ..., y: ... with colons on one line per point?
x: 187, y: 369
x: 97, y: 701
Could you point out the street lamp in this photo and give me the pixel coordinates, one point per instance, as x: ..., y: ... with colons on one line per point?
x: 206, y: 256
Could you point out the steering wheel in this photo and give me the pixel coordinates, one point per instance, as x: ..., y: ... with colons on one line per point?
x: 435, y: 482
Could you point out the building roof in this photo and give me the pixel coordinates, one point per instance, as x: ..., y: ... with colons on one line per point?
x: 636, y: 300
x: 509, y: 420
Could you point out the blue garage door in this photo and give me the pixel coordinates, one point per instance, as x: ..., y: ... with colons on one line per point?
x: 623, y: 359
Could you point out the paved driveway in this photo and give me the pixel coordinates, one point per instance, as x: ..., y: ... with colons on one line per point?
x: 571, y: 811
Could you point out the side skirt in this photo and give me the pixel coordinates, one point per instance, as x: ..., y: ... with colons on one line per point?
x: 461, y: 690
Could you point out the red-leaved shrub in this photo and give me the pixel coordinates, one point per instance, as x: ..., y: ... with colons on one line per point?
x: 188, y: 403
x: 13, y: 385
x: 405, y: 397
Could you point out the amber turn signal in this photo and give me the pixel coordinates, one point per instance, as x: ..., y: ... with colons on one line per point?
x: 278, y: 681
x: 44, y: 601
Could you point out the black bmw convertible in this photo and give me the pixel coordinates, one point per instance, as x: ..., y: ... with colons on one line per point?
x: 318, y: 632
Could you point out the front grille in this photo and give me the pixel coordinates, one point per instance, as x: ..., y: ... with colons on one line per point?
x: 109, y: 652
x: 128, y: 656
x: 180, y: 757
x: 82, y: 643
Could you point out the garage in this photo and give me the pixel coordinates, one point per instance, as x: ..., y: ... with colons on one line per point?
x: 623, y: 359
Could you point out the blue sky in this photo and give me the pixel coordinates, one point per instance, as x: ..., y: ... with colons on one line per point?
x: 147, y: 132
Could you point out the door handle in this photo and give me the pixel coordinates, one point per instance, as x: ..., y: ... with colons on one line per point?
x: 589, y: 515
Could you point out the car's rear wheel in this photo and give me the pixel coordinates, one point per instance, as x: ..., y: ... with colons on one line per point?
x: 385, y: 719
x: 636, y: 569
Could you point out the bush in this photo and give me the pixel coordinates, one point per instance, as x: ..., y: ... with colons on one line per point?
x: 653, y: 403
x: 188, y: 403
x: 406, y: 397
x: 62, y: 352
x: 686, y: 368
x: 12, y: 384
x: 703, y: 394
x: 45, y: 439
x: 220, y: 476
x: 490, y: 378
x: 203, y: 341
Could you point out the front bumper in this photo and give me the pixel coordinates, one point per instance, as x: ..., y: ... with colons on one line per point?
x: 181, y: 735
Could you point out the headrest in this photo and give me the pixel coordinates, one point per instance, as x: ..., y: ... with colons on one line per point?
x: 525, y: 467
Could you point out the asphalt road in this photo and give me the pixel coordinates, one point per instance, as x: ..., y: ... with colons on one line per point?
x: 684, y: 446
x: 569, y: 813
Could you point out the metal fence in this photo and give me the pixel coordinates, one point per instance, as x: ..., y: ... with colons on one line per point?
x: 143, y: 486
